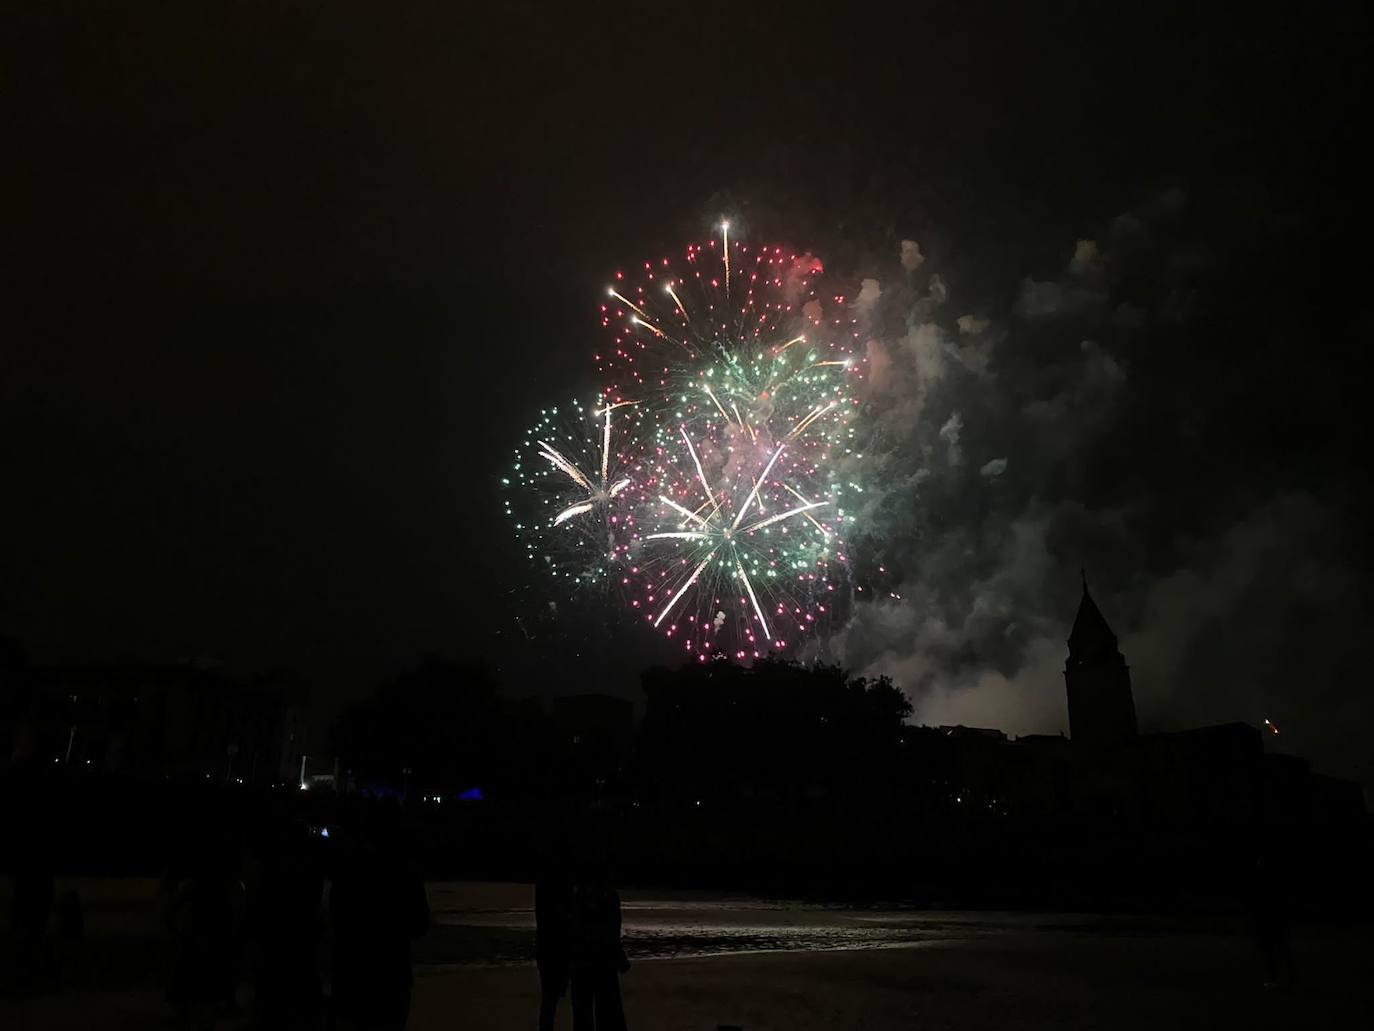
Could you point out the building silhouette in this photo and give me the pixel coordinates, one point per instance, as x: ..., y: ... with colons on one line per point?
x: 186, y: 719
x: 1098, y: 681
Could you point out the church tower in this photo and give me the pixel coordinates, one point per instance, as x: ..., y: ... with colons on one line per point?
x: 1101, y: 708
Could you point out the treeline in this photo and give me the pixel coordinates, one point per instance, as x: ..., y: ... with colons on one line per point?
x: 778, y: 728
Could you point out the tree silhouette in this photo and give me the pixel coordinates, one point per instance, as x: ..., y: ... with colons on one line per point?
x: 434, y: 720
x: 777, y: 727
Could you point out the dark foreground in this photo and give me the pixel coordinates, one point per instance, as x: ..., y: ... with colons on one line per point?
x: 705, y: 962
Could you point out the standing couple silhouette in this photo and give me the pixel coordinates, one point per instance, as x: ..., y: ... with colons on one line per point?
x: 577, y: 943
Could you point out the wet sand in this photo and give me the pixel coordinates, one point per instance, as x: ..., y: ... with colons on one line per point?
x: 1040, y: 979
x: 495, y: 924
x: 917, y: 970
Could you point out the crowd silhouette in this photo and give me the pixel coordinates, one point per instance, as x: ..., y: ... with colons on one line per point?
x: 328, y: 924
x: 322, y: 921
x: 274, y: 920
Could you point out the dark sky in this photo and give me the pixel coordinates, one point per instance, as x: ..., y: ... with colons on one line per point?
x: 285, y: 282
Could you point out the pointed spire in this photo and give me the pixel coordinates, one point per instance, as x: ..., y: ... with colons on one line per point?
x: 1091, y: 637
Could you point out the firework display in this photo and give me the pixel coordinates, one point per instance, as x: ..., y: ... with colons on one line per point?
x: 567, y: 492
x: 699, y: 487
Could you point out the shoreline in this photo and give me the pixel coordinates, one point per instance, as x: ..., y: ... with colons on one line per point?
x: 437, y: 969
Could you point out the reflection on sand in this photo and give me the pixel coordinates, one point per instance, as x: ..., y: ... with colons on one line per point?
x: 480, y: 929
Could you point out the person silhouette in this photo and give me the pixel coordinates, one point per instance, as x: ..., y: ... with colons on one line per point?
x: 1273, y: 919
x: 377, y: 906
x: 598, y: 957
x: 285, y: 919
x: 31, y: 836
x: 202, y: 909
x: 71, y: 924
x: 553, y: 898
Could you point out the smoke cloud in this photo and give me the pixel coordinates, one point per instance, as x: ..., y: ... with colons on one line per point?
x: 1094, y: 418
x: 911, y: 257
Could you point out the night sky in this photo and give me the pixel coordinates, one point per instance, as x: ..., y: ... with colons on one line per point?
x: 286, y: 282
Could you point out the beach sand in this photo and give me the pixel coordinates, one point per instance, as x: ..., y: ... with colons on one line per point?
x: 1051, y: 979
x: 1019, y: 971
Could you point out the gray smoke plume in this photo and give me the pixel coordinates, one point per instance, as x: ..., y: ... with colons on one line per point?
x: 1093, y: 419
